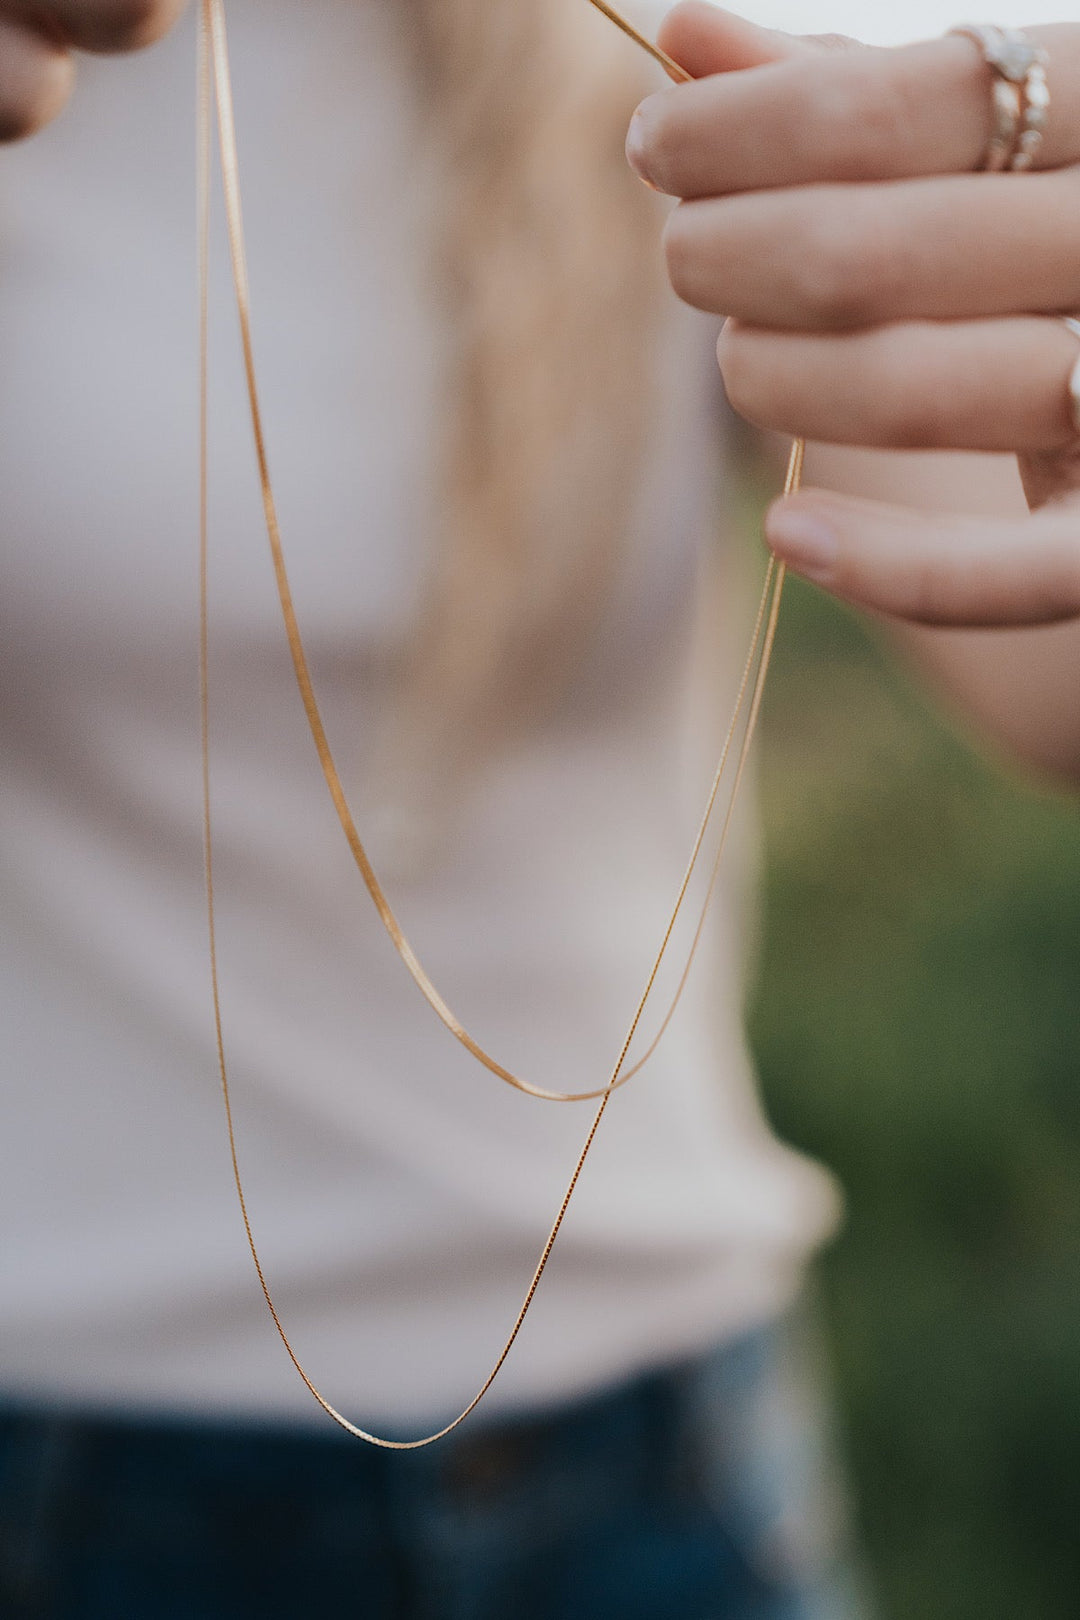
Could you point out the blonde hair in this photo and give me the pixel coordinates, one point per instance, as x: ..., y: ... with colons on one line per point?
x: 548, y: 271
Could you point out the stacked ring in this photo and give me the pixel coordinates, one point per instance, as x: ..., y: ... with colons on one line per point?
x: 1020, y: 91
x: 1036, y: 109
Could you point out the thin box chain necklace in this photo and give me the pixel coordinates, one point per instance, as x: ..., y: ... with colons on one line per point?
x: 215, y: 92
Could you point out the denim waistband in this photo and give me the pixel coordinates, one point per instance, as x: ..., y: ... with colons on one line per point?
x: 641, y: 1500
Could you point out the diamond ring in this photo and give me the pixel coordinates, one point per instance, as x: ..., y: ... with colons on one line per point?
x: 1021, y: 94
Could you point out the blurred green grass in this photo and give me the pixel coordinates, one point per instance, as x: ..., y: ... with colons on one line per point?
x: 917, y: 1024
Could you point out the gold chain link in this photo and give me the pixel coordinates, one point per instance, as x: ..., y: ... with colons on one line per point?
x: 214, y: 87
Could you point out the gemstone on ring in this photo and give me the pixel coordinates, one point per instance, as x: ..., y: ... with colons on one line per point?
x: 1036, y: 99
x: 1021, y: 94
x: 1015, y: 56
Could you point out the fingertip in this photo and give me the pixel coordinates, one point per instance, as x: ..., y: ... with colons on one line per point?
x: 36, y: 79
x: 636, y: 148
x: 801, y: 535
x: 933, y: 568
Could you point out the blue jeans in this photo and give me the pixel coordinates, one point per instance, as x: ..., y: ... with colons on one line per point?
x: 702, y: 1492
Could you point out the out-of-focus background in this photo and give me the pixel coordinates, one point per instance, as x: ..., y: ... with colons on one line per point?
x: 880, y: 24
x: 917, y: 1024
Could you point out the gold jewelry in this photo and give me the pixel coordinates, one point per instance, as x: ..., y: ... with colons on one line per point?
x: 214, y: 82
x: 669, y: 65
x: 234, y: 221
x: 1036, y: 114
x: 1002, y: 143
x: 1020, y: 93
x: 1073, y: 323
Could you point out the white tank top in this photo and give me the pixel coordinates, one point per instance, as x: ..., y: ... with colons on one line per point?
x: 400, y: 1194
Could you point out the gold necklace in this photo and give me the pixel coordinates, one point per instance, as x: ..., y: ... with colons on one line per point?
x: 215, y: 89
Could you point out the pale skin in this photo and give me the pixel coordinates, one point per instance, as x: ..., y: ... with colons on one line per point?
x: 882, y: 295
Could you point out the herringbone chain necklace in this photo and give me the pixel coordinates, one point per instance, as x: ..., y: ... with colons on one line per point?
x: 215, y: 89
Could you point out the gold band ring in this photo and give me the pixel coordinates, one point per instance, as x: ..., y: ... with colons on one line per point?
x: 1021, y: 94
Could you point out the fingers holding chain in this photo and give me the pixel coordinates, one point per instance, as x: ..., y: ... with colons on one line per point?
x: 894, y: 299
x: 1021, y: 107
x: 860, y: 114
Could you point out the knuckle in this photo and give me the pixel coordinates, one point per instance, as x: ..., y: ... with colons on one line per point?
x: 913, y: 396
x: 907, y: 420
x: 880, y: 106
x: 834, y: 42
x: 928, y: 584
x: 843, y: 269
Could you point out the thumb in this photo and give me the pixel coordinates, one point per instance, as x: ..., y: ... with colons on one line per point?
x: 705, y: 39
x: 934, y: 568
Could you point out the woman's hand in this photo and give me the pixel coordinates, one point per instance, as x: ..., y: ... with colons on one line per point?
x: 884, y: 294
x: 37, y: 41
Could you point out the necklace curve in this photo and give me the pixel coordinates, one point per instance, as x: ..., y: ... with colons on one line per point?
x: 215, y: 93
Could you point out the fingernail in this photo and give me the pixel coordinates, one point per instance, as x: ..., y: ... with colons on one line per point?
x: 804, y: 541
x: 635, y: 148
